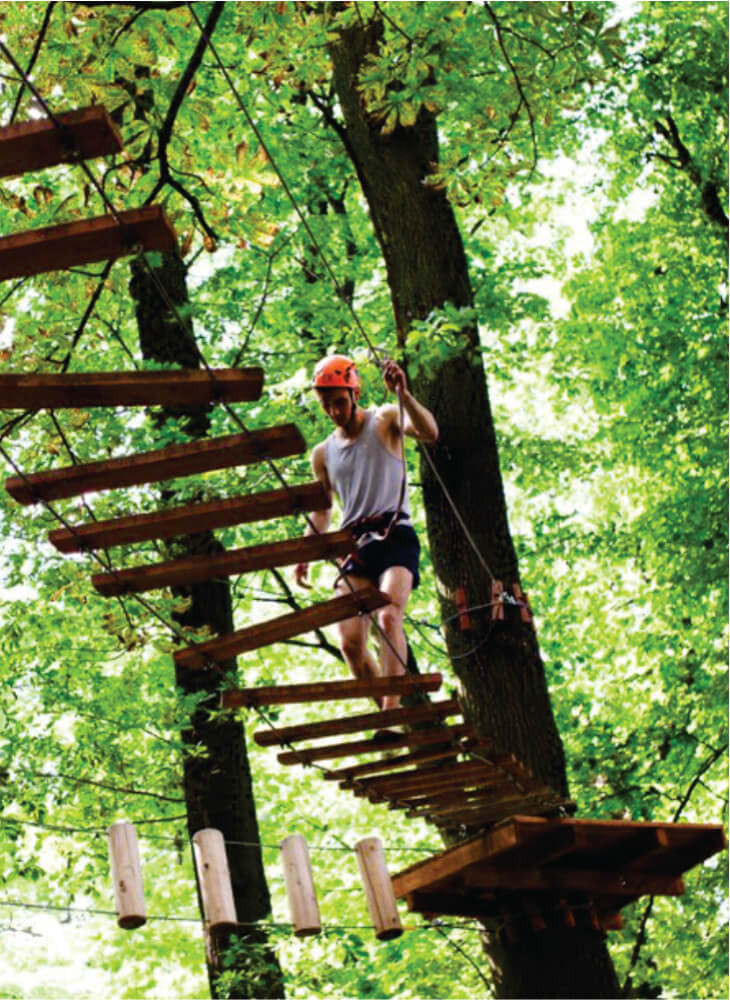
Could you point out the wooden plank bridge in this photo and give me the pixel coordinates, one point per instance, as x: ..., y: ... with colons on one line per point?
x: 521, y: 854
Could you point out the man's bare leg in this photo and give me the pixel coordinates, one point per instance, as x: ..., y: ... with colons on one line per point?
x: 354, y: 636
x: 396, y: 582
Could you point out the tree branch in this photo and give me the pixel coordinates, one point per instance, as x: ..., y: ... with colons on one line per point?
x: 641, y: 935
x: 165, y: 133
x: 708, y: 189
x: 34, y: 56
x: 518, y: 83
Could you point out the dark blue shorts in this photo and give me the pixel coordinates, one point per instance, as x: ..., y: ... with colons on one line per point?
x: 401, y: 548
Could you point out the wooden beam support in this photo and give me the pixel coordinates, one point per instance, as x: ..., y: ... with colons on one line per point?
x: 191, y: 518
x: 298, y: 694
x: 439, y: 735
x: 153, y: 466
x: 220, y: 650
x: 485, y: 876
x: 359, y: 723
x: 37, y: 144
x: 79, y: 390
x: 452, y: 904
x: 75, y: 244
x: 194, y: 569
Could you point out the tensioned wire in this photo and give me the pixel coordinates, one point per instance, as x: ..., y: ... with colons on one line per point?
x: 163, y: 293
x: 323, y: 257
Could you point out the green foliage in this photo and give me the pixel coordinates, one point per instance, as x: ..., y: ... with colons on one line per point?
x: 610, y: 407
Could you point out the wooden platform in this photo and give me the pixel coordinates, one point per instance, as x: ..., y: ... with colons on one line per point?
x: 188, y: 387
x: 194, y: 569
x: 220, y: 650
x: 89, y: 241
x: 610, y: 862
x: 359, y: 723
x: 191, y: 518
x: 153, y: 466
x: 302, y: 694
x: 37, y: 144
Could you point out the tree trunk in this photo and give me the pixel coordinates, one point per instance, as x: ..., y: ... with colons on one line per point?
x: 217, y: 783
x: 503, y: 680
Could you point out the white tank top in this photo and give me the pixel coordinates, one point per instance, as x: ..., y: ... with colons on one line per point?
x: 366, y: 476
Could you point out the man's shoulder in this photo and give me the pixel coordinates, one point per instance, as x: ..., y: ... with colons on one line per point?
x: 387, y: 413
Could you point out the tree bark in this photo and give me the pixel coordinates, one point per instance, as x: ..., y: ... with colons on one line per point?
x: 499, y: 666
x: 217, y: 782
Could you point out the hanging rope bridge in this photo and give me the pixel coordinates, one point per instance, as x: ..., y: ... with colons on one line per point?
x: 532, y: 857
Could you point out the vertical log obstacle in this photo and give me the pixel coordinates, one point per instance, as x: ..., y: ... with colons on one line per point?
x: 300, y: 886
x: 127, y: 876
x: 378, y: 888
x: 214, y: 879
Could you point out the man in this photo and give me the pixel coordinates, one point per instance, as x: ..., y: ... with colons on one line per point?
x: 362, y: 462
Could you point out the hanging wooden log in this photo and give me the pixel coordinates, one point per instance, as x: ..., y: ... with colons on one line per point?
x: 378, y: 888
x: 191, y: 518
x: 214, y: 879
x: 80, y: 390
x: 194, y: 569
x: 75, y: 244
x: 303, y: 694
x: 438, y: 735
x: 358, y: 723
x: 153, y: 466
x: 127, y: 876
x: 362, y: 601
x: 37, y: 144
x: 300, y: 886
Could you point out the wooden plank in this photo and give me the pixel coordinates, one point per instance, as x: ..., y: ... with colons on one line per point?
x: 295, y: 694
x: 427, y: 778
x: 448, y: 795
x: 475, y: 801
x: 359, y: 723
x: 487, y: 815
x: 389, y: 764
x: 194, y: 569
x: 422, y: 875
x: 363, y: 601
x: 191, y: 518
x: 37, y: 144
x: 79, y: 390
x: 152, y: 466
x: 452, y: 904
x: 74, y: 244
x: 436, y: 736
x: 485, y: 876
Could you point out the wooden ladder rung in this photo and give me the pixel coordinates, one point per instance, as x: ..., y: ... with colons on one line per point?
x: 438, y: 735
x: 221, y: 650
x: 297, y: 694
x: 188, y: 387
x: 358, y: 723
x: 472, y: 814
x: 418, y: 778
x: 393, y: 764
x: 34, y: 145
x: 88, y: 241
x: 191, y: 518
x: 151, y: 466
x: 194, y: 569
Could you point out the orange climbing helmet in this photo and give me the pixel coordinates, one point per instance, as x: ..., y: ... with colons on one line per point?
x: 336, y: 372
